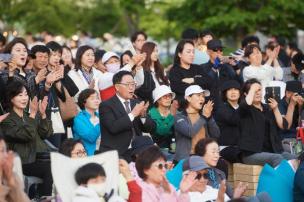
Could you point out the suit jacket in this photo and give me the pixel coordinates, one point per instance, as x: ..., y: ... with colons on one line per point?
x: 116, y: 126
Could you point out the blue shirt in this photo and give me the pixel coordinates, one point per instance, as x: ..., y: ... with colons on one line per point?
x: 84, y: 130
x: 200, y: 57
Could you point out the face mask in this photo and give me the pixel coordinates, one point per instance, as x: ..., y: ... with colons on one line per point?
x: 99, y: 188
x: 114, y: 67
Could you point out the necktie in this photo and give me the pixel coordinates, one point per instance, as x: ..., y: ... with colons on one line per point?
x: 128, y: 110
x: 127, y: 106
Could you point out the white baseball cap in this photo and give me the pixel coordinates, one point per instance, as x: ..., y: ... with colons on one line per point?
x: 160, y: 91
x: 107, y: 56
x: 193, y: 89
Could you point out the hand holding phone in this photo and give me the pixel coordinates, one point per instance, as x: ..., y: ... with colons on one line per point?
x: 273, y: 92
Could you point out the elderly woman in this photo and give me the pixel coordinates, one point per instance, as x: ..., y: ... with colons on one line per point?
x: 151, y: 167
x: 73, y: 148
x: 195, y: 122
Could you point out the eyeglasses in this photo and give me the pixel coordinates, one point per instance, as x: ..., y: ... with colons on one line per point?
x: 80, y: 153
x: 129, y: 85
x: 161, y: 166
x: 200, y: 175
x: 217, y: 49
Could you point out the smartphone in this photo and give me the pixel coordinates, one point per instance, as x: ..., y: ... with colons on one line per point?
x: 5, y: 57
x: 273, y: 92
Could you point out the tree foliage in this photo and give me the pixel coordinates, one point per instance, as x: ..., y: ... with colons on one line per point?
x: 161, y: 19
x: 240, y: 17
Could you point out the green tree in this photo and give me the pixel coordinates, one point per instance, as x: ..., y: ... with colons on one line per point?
x: 239, y: 17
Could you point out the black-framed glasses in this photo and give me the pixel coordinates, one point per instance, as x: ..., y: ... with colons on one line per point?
x: 80, y: 153
x: 161, y: 166
x: 129, y: 85
x: 217, y: 49
x: 200, y: 175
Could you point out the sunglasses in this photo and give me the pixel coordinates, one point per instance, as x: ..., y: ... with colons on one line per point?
x: 200, y: 175
x: 217, y: 49
x: 162, y: 166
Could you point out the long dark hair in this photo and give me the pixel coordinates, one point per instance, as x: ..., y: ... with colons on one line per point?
x: 148, y: 48
x: 79, y: 54
x: 179, y: 49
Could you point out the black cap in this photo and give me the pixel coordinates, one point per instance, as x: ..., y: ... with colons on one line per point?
x: 294, y: 86
x: 140, y: 143
x: 230, y: 84
x: 214, y: 44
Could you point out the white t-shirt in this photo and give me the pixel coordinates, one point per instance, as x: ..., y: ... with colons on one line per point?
x: 209, y: 195
x: 264, y: 73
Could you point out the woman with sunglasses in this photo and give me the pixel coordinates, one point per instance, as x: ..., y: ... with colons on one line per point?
x: 200, y: 190
x: 151, y: 167
x: 209, y: 150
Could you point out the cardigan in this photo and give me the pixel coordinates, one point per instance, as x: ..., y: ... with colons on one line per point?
x: 25, y: 135
x: 84, y: 130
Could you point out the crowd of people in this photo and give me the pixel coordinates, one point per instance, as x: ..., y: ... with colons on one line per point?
x: 174, y: 128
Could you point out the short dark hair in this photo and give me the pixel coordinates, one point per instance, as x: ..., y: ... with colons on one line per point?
x: 8, y: 48
x: 145, y: 159
x: 249, y: 49
x: 135, y: 35
x: 190, y: 34
x: 54, y: 46
x: 14, y: 88
x: 206, y: 32
x: 83, y: 96
x: 179, y: 48
x: 99, y: 54
x: 127, y: 52
x: 201, y: 146
x: 119, y: 75
x: 68, y: 145
x: 250, y: 39
x: 89, y: 171
x: 247, y: 85
x: 80, y: 51
x: 39, y: 48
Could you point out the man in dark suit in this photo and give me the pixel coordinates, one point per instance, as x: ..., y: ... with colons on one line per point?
x: 122, y: 117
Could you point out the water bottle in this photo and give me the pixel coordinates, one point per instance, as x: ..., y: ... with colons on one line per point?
x: 173, y: 145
